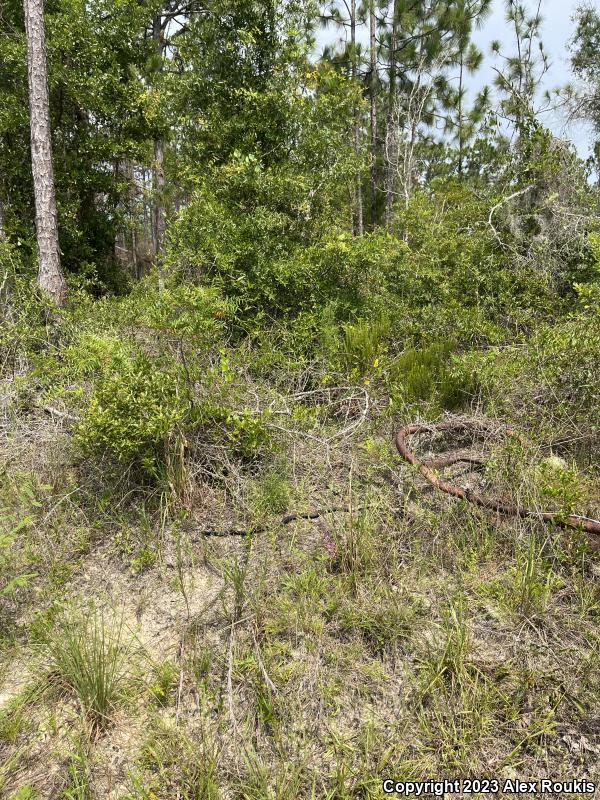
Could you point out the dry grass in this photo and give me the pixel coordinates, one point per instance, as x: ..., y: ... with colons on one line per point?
x: 412, y: 637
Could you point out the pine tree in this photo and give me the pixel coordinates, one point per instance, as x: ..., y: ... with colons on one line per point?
x: 373, y: 100
x: 349, y: 57
x: 422, y: 43
x: 520, y: 73
x: 50, y: 276
x: 585, y: 103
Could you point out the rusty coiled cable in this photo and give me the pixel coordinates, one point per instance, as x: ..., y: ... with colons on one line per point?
x: 489, y: 503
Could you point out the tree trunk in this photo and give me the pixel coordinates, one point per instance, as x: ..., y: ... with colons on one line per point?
x: 373, y: 99
x: 50, y: 276
x: 391, y: 133
x: 460, y: 117
x: 2, y: 218
x: 158, y: 180
x: 359, y: 227
x: 131, y: 200
x: 158, y: 174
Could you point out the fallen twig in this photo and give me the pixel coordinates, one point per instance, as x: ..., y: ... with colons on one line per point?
x: 312, y: 513
x: 54, y: 412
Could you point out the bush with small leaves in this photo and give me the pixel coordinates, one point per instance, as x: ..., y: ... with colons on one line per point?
x: 136, y: 413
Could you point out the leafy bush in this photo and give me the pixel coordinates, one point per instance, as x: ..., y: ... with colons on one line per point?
x: 424, y: 374
x: 551, y: 382
x: 23, y: 311
x: 589, y: 291
x: 271, y: 493
x: 363, y: 342
x: 195, y: 314
x: 145, y: 413
x: 135, y: 413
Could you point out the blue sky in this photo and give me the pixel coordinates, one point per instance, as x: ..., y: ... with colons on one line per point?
x: 557, y: 30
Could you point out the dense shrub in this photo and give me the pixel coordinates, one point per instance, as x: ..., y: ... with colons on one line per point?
x: 423, y: 374
x: 22, y: 312
x: 551, y: 382
x: 135, y: 409
x: 147, y: 413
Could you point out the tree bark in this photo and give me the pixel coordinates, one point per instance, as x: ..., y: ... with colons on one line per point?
x: 460, y: 117
x: 158, y: 174
x: 158, y: 180
x: 373, y: 99
x: 391, y: 134
x: 50, y: 277
x: 360, y: 227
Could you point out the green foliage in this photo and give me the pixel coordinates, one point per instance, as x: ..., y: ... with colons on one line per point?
x: 79, y: 775
x: 264, y: 359
x: 448, y: 666
x: 163, y: 683
x: 143, y: 413
x: 15, y: 717
x: 533, y: 580
x: 195, y: 314
x: 589, y: 292
x: 585, y: 47
x: 363, y: 343
x: 550, y: 382
x: 26, y: 792
x: 138, y: 398
x: 272, y: 191
x: 96, y: 63
x: 271, y: 493
x: 135, y: 413
x: 419, y: 374
x: 382, y: 618
x: 560, y: 484
x: 9, y: 584
x: 181, y: 764
x: 24, y: 313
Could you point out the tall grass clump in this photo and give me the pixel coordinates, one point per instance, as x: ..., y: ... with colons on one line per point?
x: 88, y: 655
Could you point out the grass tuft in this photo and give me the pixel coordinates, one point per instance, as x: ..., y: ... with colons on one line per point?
x: 89, y: 656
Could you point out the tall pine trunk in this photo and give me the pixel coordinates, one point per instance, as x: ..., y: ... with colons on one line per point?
x: 460, y: 117
x: 158, y: 179
x: 50, y: 276
x: 373, y: 99
x: 359, y: 226
x: 158, y: 173
x: 391, y: 132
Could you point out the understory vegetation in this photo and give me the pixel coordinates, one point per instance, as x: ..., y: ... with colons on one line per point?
x: 218, y: 578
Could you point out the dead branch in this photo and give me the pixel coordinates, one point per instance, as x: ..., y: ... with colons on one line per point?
x: 489, y: 503
x: 502, y: 202
x: 54, y: 412
x: 312, y: 513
